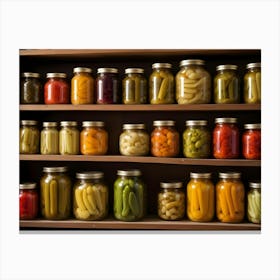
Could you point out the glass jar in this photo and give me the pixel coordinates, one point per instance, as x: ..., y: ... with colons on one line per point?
x: 196, y: 139
x: 93, y: 138
x: 164, y: 139
x: 134, y: 140
x: 55, y: 193
x: 161, y: 84
x: 90, y: 196
x: 56, y: 89
x: 254, y: 203
x: 28, y: 201
x: 30, y: 88
x: 171, y: 201
x: 69, y: 138
x: 107, y: 86
x: 29, y: 137
x: 226, y: 138
x: 251, y: 141
x: 129, y: 196
x: 193, y: 83
x: 134, y: 86
x: 230, y: 194
x: 252, y: 83
x: 82, y: 86
x: 200, y: 197
x: 49, y: 138
x: 226, y: 85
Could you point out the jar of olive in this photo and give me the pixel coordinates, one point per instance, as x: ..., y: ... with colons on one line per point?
x: 161, y: 83
x: 134, y: 86
x: 254, y: 202
x: 49, y: 138
x: 30, y: 88
x: 29, y: 137
x: 90, y: 196
x: 196, y: 139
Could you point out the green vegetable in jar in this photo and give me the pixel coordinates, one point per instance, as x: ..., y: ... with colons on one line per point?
x: 29, y: 137
x: 252, y: 84
x: 49, y: 138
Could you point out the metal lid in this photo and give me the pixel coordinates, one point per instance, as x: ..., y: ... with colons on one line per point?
x: 93, y: 123
x: 253, y: 65
x: 255, y: 185
x: 226, y: 67
x: 134, y: 126
x: 171, y: 185
x: 134, y: 70
x: 129, y: 172
x: 68, y: 123
x: 230, y: 175
x: 90, y: 175
x: 192, y: 62
x: 200, y: 175
x: 196, y: 122
x: 28, y: 122
x: 161, y: 65
x: 27, y: 186
x: 56, y: 75
x: 49, y: 124
x: 82, y: 69
x: 164, y: 123
x: 107, y: 70
x: 225, y: 120
x: 55, y: 169
x: 252, y: 126
x: 30, y: 75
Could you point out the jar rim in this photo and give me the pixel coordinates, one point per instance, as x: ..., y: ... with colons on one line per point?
x: 28, y: 122
x: 134, y: 126
x: 30, y: 75
x: 90, y: 175
x: 82, y: 69
x: 68, y: 123
x: 226, y: 67
x: 107, y: 70
x: 225, y: 120
x: 191, y: 62
x: 55, y: 169
x: 194, y: 175
x: 161, y: 65
x: 252, y: 126
x: 229, y: 175
x: 93, y: 123
x: 255, y: 185
x: 49, y: 124
x: 129, y: 172
x: 253, y: 65
x: 163, y: 123
x: 196, y: 122
x: 27, y: 186
x: 171, y: 185
x: 134, y: 71
x: 56, y: 75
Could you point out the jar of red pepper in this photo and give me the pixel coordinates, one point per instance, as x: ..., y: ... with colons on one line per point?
x: 56, y: 89
x: 226, y: 138
x: 251, y: 141
x: 28, y: 201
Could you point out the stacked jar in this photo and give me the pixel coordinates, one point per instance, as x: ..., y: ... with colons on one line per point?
x: 251, y: 141
x: 49, y: 139
x: 252, y: 83
x: 30, y: 88
x: 29, y: 137
x: 69, y: 138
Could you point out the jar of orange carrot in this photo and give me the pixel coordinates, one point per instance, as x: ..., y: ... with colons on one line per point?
x: 93, y: 138
x: 164, y: 139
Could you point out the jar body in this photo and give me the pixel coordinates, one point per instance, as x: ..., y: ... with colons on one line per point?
x: 69, y: 140
x: 254, y: 205
x: 82, y: 88
x: 200, y: 200
x: 90, y: 199
x: 30, y: 90
x: 251, y: 144
x: 28, y: 204
x: 56, y: 91
x: 49, y: 141
x: 193, y: 85
x: 252, y: 86
x: 29, y: 139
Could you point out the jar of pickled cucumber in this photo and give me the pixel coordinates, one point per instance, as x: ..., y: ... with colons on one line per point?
x: 200, y: 197
x: 56, y: 89
x: 82, y: 86
x: 193, y: 82
x: 69, y: 138
x: 55, y: 190
x: 230, y: 195
x: 107, y: 86
x: 226, y: 138
x: 196, y: 139
x: 164, y: 139
x: 251, y: 141
x: 161, y: 84
x: 94, y: 138
x: 134, y: 86
x: 90, y: 201
x: 254, y: 203
x: 134, y: 140
x: 226, y: 85
x: 171, y: 201
x: 252, y: 83
x: 29, y: 137
x: 30, y: 88
x: 49, y: 138
x: 129, y: 196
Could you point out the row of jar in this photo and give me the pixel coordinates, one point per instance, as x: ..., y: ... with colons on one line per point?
x: 199, y: 201
x: 191, y: 85
x: 135, y: 140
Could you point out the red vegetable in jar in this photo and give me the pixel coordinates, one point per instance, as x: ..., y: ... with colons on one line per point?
x: 56, y: 89
x: 225, y: 139
x: 28, y: 201
x: 251, y: 141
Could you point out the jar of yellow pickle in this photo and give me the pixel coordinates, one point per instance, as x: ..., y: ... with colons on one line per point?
x: 49, y: 138
x: 29, y: 137
x: 69, y: 138
x: 254, y: 202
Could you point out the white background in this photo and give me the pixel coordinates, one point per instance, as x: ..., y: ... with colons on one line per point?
x: 139, y: 24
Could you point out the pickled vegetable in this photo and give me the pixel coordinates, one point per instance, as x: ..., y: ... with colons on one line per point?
x: 254, y: 205
x: 69, y: 139
x: 251, y: 141
x: 49, y: 139
x: 29, y: 138
x: 30, y: 88
x: 28, y: 201
x: 252, y: 84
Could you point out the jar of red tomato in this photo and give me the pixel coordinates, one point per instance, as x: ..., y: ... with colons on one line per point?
x: 226, y: 138
x: 251, y: 141
x: 56, y: 89
x: 28, y: 201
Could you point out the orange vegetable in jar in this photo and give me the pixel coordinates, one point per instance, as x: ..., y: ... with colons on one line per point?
x: 93, y: 138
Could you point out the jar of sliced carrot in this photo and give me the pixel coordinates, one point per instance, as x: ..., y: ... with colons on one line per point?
x: 164, y: 139
x: 93, y: 138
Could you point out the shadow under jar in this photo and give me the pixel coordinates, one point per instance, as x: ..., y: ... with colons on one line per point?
x: 30, y: 88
